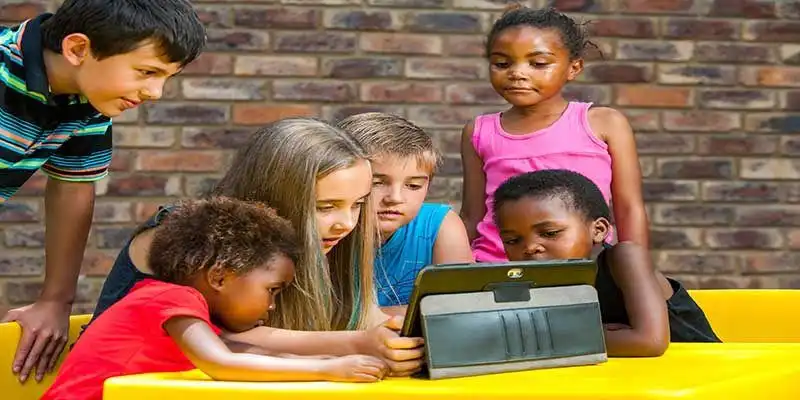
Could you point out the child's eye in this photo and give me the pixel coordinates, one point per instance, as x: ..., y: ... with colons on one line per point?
x: 540, y: 64
x: 501, y: 65
x: 550, y: 234
x: 376, y: 183
x: 414, y: 186
x: 145, y: 72
x: 511, y: 241
x: 326, y: 207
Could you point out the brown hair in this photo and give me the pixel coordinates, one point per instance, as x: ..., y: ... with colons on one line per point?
x: 387, y: 134
x: 280, y: 165
x: 239, y: 236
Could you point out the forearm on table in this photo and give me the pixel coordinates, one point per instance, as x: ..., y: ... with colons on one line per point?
x: 279, y: 341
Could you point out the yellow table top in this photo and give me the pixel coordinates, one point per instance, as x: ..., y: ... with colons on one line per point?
x: 686, y: 371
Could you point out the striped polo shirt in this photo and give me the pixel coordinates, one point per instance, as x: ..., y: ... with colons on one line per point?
x: 63, y: 135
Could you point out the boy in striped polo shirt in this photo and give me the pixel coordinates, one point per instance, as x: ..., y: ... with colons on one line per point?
x: 63, y: 76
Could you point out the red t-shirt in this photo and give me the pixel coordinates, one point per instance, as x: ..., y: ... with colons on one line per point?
x: 128, y: 339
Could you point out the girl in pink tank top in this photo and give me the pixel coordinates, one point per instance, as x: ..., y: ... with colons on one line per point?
x: 533, y: 54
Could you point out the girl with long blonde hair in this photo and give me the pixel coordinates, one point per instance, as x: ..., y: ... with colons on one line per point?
x: 318, y: 178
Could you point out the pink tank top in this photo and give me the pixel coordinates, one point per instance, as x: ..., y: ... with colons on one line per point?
x: 566, y: 144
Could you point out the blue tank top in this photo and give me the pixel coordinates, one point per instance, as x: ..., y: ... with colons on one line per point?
x: 409, y: 250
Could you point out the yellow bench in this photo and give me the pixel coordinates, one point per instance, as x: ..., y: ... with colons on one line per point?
x: 9, y: 337
x: 752, y: 315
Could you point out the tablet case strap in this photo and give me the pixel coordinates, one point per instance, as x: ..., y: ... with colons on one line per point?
x: 473, y: 333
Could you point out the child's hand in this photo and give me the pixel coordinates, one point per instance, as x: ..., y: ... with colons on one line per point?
x: 355, y: 368
x: 402, y: 355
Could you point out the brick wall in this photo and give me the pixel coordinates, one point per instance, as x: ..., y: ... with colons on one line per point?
x: 710, y: 86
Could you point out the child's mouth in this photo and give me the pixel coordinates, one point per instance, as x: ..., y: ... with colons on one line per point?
x: 391, y: 214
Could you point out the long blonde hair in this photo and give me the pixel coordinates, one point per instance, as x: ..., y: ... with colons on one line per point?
x: 280, y: 165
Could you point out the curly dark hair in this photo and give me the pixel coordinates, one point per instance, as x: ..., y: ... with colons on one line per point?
x: 577, y: 192
x: 238, y: 235
x: 573, y: 35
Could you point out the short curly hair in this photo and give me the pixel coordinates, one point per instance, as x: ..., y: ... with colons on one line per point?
x: 577, y: 192
x: 238, y: 235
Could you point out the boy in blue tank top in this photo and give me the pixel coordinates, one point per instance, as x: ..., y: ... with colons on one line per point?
x: 413, y: 233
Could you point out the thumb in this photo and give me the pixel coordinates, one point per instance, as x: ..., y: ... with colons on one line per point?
x: 394, y: 323
x: 9, y: 317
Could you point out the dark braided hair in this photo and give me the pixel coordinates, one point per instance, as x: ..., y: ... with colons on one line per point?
x: 577, y: 192
x: 573, y: 34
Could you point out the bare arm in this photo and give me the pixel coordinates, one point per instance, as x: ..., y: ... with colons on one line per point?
x: 208, y: 353
x: 452, y: 243
x: 473, y: 198
x: 630, y: 215
x: 648, y: 335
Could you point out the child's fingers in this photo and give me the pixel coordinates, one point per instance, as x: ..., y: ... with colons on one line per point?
x: 403, y: 354
x: 405, y: 368
x: 394, y: 323
x: 403, y: 343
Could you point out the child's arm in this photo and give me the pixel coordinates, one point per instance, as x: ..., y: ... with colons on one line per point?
x: 473, y: 199
x: 45, y: 324
x: 403, y: 355
x: 452, y: 243
x: 208, y: 353
x: 648, y: 334
x: 630, y: 216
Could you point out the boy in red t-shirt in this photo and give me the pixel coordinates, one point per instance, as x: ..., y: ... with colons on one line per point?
x: 220, y: 263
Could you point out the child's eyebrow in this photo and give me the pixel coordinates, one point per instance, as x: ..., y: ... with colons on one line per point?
x: 340, y: 200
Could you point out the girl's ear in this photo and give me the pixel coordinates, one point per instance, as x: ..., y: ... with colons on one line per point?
x: 600, y: 229
x: 216, y: 277
x: 575, y: 69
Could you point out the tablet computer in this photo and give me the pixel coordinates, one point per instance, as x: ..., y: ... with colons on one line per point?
x: 506, y: 279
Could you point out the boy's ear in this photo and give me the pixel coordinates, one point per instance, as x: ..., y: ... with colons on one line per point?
x: 600, y: 229
x: 575, y: 69
x: 76, y: 47
x: 216, y: 277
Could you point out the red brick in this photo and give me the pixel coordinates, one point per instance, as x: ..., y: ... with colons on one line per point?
x: 210, y: 64
x: 679, y: 238
x: 750, y: 192
x: 215, y: 138
x: 179, y: 161
x: 481, y: 4
x: 689, y: 168
x: 313, y: 91
x: 694, y: 214
x: 743, y: 238
x: 97, y: 263
x: 736, y: 145
x: 743, y: 8
x: 275, y: 65
x: 465, y: 45
x: 768, y: 215
x: 668, y: 143
x: 259, y: 114
x: 401, y: 92
x: 113, y: 237
x: 705, y: 121
x: 26, y: 292
x: 112, y: 211
x: 700, y: 29
x: 199, y: 186
x: 790, y: 100
x: 772, y: 31
x: 276, y: 18
x: 648, y: 166
x: 338, y: 113
x: 643, y: 120
x: 351, y: 68
x: 20, y: 11
x: 143, y: 210
x: 186, y: 113
x: 444, y: 22
x: 144, y: 185
x: 788, y: 9
x: 654, y: 50
x: 659, y: 6
x: 408, y: 3
x: 315, y: 42
x: 653, y: 96
x: 214, y: 17
x: 639, y: 28
x: 669, y: 190
x: 671, y: 262
x: 443, y: 115
x: 237, y: 39
x: 593, y: 6
x: 400, y: 43
x: 770, y: 76
x: 619, y: 73
x: 769, y: 262
x: 734, y: 53
x: 472, y: 93
x: 121, y: 161
x: 361, y: 20
x: 444, y: 68
x: 790, y: 146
